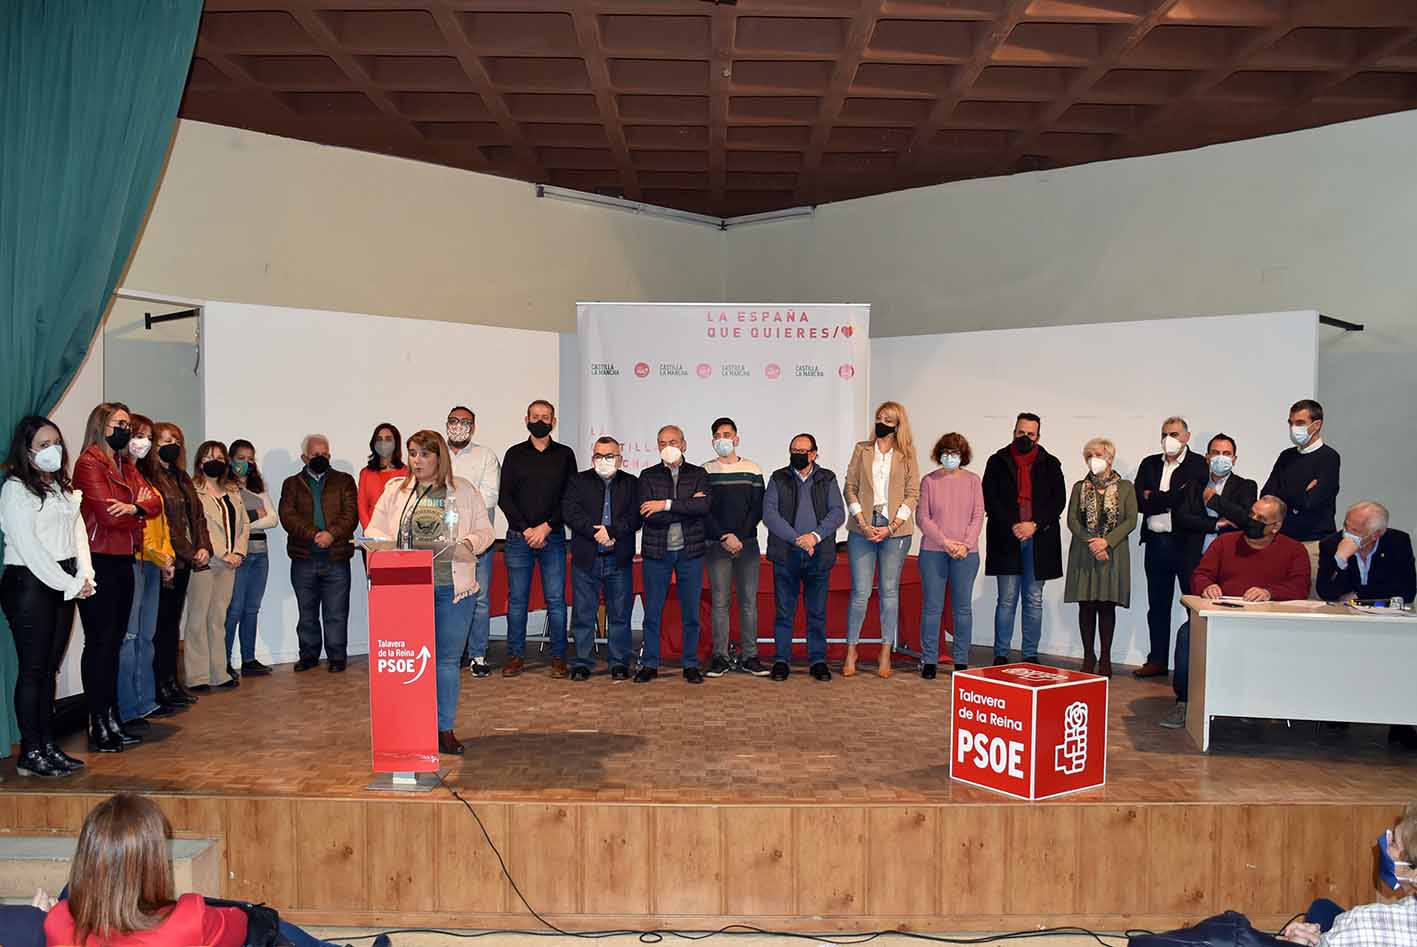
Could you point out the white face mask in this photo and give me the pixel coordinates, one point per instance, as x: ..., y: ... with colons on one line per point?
x: 49, y: 459
x: 1299, y: 434
x: 949, y: 461
x: 723, y: 446
x: 605, y: 468
x: 1098, y: 465
x: 1172, y: 445
x: 671, y: 455
x: 1353, y: 538
x: 138, y: 447
x: 1220, y: 465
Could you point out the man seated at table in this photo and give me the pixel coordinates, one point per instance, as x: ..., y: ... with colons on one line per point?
x: 1367, y: 561
x: 1258, y: 565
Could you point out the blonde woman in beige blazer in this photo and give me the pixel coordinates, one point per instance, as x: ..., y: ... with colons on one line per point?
x: 882, y: 488
x: 209, y: 590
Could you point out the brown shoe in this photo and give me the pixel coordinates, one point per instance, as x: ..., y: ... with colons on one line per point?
x: 448, y: 743
x: 559, y: 668
x: 1150, y: 669
x: 513, y: 667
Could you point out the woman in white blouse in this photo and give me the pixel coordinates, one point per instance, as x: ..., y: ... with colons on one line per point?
x: 209, y: 592
x: 47, y: 568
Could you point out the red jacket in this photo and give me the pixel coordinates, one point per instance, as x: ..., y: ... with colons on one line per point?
x: 102, y: 482
x: 190, y: 921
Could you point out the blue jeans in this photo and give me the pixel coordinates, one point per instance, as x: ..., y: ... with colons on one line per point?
x: 801, y: 574
x: 137, y: 686
x: 1009, y: 588
x: 1181, y: 676
x: 586, y: 585
x: 864, y: 556
x: 521, y: 558
x: 689, y: 576
x: 938, y: 571
x: 451, y: 621
x: 246, y: 595
x: 322, y: 594
x: 1164, y: 561
x: 482, y: 608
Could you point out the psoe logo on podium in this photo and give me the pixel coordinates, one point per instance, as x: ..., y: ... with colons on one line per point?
x: 1028, y: 731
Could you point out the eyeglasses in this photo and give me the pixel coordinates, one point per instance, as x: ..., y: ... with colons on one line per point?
x: 604, y: 456
x: 804, y: 452
x: 459, y: 422
x: 122, y: 426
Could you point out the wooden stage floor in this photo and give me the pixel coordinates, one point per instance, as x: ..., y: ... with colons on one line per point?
x: 795, y: 806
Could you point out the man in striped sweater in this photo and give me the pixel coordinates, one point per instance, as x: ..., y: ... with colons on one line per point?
x: 735, y: 511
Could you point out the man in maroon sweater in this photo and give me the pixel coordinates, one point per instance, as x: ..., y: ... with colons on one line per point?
x: 1256, y: 564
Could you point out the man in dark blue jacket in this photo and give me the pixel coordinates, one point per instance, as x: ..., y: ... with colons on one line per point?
x: 674, y: 500
x: 1367, y: 561
x: 802, y: 510
x: 602, y: 509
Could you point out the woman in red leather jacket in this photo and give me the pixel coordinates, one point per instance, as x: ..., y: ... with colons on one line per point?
x: 116, y: 501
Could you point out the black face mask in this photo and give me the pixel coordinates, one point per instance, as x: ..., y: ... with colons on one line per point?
x: 799, y: 461
x: 538, y: 428
x: 884, y: 430
x: 119, y: 439
x: 1024, y: 444
x: 213, y: 469
x: 319, y: 465
x: 1254, y: 529
x: 167, y: 453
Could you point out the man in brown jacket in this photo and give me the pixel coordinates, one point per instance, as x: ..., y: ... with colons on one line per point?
x: 319, y: 509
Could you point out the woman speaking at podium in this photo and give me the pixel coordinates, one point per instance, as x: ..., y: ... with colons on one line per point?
x: 429, y: 508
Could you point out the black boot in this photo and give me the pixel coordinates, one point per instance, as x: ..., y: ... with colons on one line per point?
x: 59, y: 757
x: 114, y: 725
x: 172, y: 693
x: 101, y: 739
x: 33, y: 762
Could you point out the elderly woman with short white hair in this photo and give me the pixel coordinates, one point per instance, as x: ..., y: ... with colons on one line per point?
x: 1101, y: 515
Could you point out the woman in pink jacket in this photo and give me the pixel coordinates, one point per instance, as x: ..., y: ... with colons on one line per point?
x: 431, y: 509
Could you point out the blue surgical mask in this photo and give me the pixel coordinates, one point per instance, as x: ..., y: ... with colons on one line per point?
x: 1387, y: 866
x: 1299, y: 434
x: 949, y: 461
x: 1220, y: 465
x: 1353, y: 538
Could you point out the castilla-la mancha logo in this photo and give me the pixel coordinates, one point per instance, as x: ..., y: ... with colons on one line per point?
x: 772, y: 370
x: 704, y: 370
x: 642, y: 369
x: 847, y: 372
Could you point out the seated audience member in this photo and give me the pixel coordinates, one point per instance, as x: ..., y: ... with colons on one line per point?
x: 121, y: 889
x: 802, y: 509
x: 1383, y: 924
x: 1258, y: 565
x: 1366, y: 560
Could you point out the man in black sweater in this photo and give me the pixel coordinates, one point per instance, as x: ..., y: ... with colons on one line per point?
x: 534, y: 477
x: 1305, y: 477
x: 602, y: 509
x: 1164, y: 482
x: 736, y: 495
x: 674, y: 501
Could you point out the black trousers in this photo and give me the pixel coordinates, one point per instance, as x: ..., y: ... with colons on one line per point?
x: 169, y: 625
x: 105, y: 615
x: 40, y: 621
x: 1165, y: 563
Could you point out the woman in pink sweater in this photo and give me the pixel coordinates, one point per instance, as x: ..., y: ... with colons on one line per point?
x: 950, y: 513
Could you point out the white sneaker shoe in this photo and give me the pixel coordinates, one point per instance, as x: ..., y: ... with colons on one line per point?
x: 1176, y: 719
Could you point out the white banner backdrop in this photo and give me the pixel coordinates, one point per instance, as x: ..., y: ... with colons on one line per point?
x: 777, y: 370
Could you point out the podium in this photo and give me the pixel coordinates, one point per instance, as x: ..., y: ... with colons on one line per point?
x: 1028, y: 731
x: 403, y: 680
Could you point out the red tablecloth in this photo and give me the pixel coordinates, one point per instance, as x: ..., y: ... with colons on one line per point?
x: 838, y: 604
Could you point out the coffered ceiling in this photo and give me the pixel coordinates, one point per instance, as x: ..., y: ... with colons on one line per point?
x: 732, y: 109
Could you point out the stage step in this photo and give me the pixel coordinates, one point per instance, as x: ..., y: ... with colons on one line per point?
x: 29, y: 862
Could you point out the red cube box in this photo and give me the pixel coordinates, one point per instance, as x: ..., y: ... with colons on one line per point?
x: 1028, y: 731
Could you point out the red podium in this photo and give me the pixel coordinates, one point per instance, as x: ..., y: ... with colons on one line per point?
x: 403, y: 685
x: 1028, y: 731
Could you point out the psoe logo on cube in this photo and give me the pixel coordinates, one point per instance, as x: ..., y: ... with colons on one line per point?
x: 847, y: 371
x: 1070, y: 756
x: 642, y: 369
x: 1033, y: 675
x: 772, y: 370
x: 704, y: 370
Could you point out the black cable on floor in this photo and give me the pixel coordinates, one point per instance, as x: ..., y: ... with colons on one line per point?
x: 732, y: 930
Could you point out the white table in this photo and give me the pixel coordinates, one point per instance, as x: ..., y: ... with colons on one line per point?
x: 1291, y: 662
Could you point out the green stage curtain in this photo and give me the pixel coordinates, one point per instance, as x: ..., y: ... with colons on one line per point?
x: 89, y: 91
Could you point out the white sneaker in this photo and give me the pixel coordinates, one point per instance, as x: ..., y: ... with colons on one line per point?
x: 1176, y: 719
